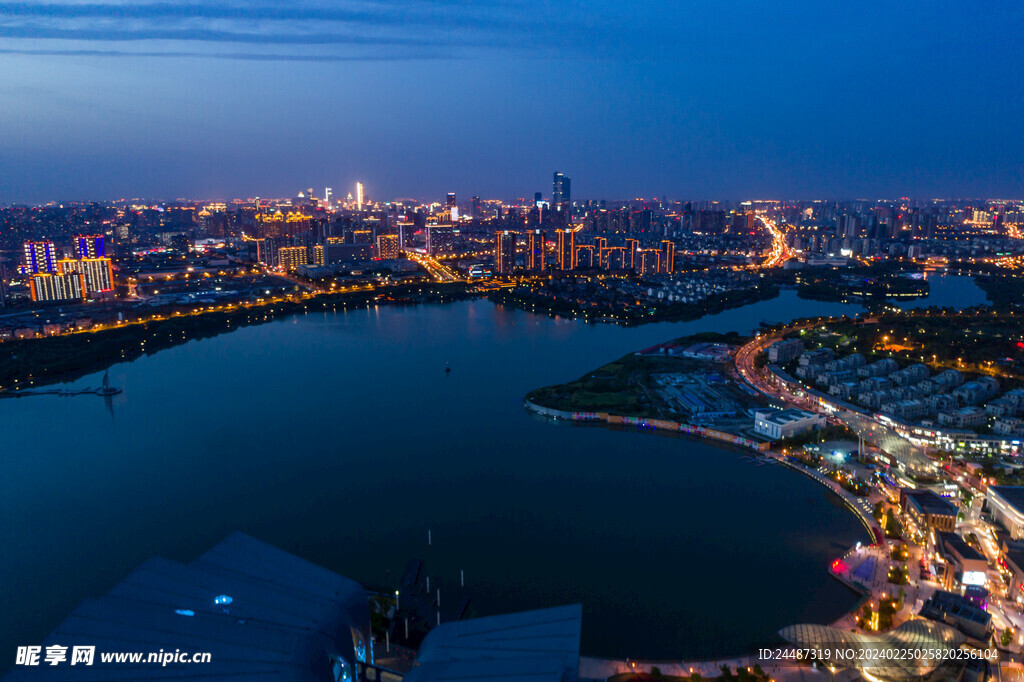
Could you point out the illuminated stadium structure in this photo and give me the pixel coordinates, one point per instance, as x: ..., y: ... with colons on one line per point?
x: 880, y: 656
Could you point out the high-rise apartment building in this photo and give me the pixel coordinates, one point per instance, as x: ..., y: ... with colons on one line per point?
x: 535, y: 244
x: 90, y: 246
x: 40, y: 257
x: 668, y: 256
x: 585, y: 256
x: 566, y: 249
x: 629, y: 261
x: 440, y: 239
x: 48, y: 286
x: 561, y: 192
x: 98, y: 273
x: 291, y: 257
x: 387, y: 246
x: 504, y: 252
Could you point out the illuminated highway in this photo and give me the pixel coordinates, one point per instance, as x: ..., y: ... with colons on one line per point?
x: 438, y: 270
x: 780, y: 252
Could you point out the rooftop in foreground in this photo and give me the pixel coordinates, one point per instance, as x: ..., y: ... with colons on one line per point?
x: 532, y: 646
x: 262, y: 614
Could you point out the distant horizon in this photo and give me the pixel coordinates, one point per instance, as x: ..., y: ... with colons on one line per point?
x: 465, y: 198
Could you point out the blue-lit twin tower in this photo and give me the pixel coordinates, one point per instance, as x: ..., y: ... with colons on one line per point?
x: 54, y: 278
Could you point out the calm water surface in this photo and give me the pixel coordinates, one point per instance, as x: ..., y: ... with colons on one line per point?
x: 339, y: 437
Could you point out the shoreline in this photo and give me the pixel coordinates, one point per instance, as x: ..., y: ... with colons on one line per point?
x: 602, y: 668
x: 33, y: 363
x: 677, y: 313
x: 702, y: 432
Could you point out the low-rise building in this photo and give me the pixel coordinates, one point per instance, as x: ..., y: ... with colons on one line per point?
x: 1008, y: 426
x: 958, y: 564
x: 1016, y: 396
x: 948, y: 379
x: 1014, y: 558
x: 928, y: 510
x: 954, y: 610
x: 941, y: 402
x: 977, y: 391
x: 785, y: 350
x: 853, y: 361
x: 1006, y: 504
x: 875, y: 384
x: 964, y: 418
x: 816, y: 357
x: 1001, y: 407
x: 910, y: 375
x: 907, y: 410
x: 777, y: 424
x: 879, y: 368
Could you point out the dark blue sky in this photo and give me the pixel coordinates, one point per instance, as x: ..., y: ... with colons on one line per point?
x: 691, y: 99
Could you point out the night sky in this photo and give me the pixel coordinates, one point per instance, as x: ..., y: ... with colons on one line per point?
x: 693, y: 99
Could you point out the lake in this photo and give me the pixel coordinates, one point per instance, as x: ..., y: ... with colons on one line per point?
x: 340, y: 438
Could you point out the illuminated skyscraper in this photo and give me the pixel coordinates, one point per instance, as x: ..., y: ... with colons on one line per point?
x: 451, y: 207
x: 668, y: 256
x: 632, y: 246
x: 40, y: 257
x: 90, y: 246
x: 560, y: 192
x: 49, y: 286
x: 405, y: 231
x: 266, y: 252
x: 359, y: 196
x: 600, y: 249
x: 98, y: 273
x: 535, y: 243
x: 293, y: 256
x: 387, y: 246
x: 504, y: 252
x: 585, y: 256
x: 647, y: 261
x: 566, y: 249
x: 440, y: 239
x: 615, y: 258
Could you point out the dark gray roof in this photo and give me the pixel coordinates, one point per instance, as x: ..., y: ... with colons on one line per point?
x: 286, y: 619
x: 928, y: 502
x: 1013, y: 494
x: 532, y: 646
x: 942, y: 603
x: 960, y: 546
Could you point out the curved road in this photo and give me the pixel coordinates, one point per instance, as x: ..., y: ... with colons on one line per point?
x: 864, y: 425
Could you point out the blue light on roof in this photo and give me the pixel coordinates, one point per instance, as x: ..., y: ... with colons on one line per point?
x: 222, y: 600
x: 185, y: 612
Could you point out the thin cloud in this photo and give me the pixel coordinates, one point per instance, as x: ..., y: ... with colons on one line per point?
x: 396, y: 13
x: 245, y: 56
x: 35, y: 31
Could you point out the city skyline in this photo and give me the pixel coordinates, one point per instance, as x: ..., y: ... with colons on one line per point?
x: 214, y: 100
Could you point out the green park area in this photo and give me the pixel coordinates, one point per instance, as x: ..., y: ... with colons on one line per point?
x: 626, y: 386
